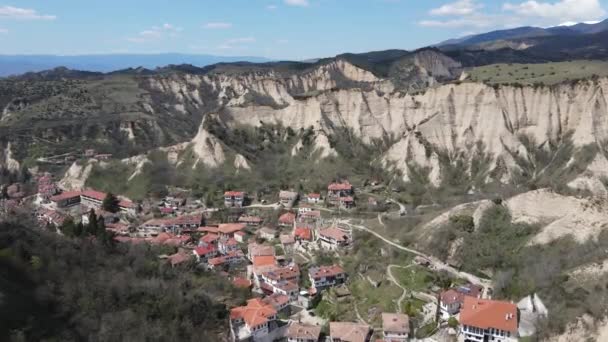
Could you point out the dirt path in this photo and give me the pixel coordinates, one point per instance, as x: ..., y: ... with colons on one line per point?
x: 436, y: 263
x: 389, y: 272
x: 359, y: 315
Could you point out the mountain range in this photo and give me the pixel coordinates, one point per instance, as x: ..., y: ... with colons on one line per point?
x: 19, y: 64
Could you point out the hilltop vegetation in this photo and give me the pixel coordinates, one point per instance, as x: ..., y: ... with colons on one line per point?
x: 543, y: 73
x: 58, y: 289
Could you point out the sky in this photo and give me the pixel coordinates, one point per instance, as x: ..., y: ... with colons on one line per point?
x: 277, y: 29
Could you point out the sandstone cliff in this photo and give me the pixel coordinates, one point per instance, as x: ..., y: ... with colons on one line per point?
x: 449, y: 118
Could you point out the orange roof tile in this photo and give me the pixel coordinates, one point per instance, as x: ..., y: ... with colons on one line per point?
x: 303, y: 233
x: 264, y: 260
x: 485, y: 314
x: 349, y: 332
x: 254, y: 314
x: 340, y: 186
x: 334, y: 233
x: 231, y: 228
x: 305, y: 332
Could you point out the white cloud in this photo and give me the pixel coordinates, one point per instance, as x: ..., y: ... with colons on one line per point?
x: 572, y: 23
x: 460, y: 7
x: 560, y: 11
x: 282, y: 41
x: 10, y: 12
x: 3, y: 31
x: 218, y: 25
x: 155, y: 33
x: 468, y: 14
x: 271, y: 7
x: 301, y: 3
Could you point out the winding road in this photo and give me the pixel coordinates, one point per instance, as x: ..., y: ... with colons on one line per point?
x: 436, y: 263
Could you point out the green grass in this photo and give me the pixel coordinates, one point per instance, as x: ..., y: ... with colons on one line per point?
x: 547, y: 73
x: 414, y: 278
x: 371, y: 301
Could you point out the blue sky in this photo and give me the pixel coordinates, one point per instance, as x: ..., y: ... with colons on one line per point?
x: 280, y: 29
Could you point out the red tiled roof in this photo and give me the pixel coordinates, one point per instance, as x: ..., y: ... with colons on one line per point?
x: 287, y: 218
x: 209, y: 238
x: 299, y: 331
x: 234, y: 193
x: 325, y: 271
x: 314, y: 195
x: 231, y: 228
x: 208, y: 229
x: 65, y: 195
x: 277, y: 300
x: 283, y: 273
x: 347, y: 331
x: 203, y: 251
x: 485, y: 314
x: 178, y: 258
x: 217, y: 261
x: 451, y: 296
x: 340, y: 186
x: 254, y: 314
x: 126, y: 204
x: 229, y: 242
x: 288, y: 286
x: 347, y: 199
x: 303, y: 233
x: 334, y: 233
x: 98, y: 195
x: 455, y: 295
x: 264, y: 260
x: 241, y: 282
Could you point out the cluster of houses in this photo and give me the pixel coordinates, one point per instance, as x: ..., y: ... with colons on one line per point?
x: 56, y: 206
x: 257, y: 321
x: 274, y: 277
x: 339, y: 194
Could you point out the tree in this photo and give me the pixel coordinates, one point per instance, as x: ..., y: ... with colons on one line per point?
x: 110, y: 203
x: 24, y: 175
x: 92, y: 227
x: 79, y: 229
x: 452, y: 322
x: 68, y: 227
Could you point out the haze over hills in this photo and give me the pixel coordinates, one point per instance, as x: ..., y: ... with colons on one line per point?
x: 19, y: 64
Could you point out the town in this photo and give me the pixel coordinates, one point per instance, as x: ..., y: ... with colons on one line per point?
x: 290, y: 256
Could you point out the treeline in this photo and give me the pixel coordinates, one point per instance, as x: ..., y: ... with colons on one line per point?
x: 54, y: 288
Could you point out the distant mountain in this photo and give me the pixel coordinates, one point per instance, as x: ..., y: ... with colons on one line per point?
x: 20, y: 64
x: 519, y: 33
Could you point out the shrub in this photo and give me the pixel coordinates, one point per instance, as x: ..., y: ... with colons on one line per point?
x: 453, y: 322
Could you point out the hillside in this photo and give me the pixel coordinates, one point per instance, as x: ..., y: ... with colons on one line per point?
x: 53, y: 288
x: 445, y: 138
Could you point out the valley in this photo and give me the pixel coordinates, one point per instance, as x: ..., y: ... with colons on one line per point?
x: 270, y: 199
